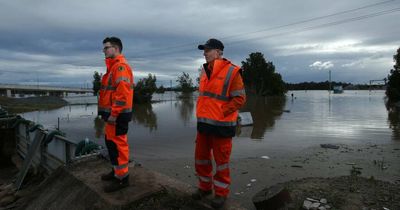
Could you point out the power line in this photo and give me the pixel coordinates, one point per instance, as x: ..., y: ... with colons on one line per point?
x: 291, y: 32
x: 323, y: 25
x: 311, y: 19
x: 272, y: 28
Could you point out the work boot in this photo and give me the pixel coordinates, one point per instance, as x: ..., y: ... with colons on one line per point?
x: 218, y: 202
x: 117, y: 184
x: 199, y: 194
x: 108, y: 176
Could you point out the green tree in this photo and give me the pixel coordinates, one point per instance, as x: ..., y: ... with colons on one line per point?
x: 145, y: 88
x: 393, y: 86
x: 96, y: 82
x: 260, y: 78
x: 185, y: 82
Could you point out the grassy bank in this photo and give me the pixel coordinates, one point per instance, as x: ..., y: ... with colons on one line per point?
x: 19, y: 105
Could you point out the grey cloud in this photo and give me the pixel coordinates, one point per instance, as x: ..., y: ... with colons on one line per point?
x: 56, y: 38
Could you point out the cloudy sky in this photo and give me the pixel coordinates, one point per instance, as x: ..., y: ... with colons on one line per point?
x: 60, y: 42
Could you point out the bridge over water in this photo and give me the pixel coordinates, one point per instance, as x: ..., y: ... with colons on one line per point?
x: 12, y: 90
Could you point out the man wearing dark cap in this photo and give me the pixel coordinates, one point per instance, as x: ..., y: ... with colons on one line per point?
x: 221, y: 95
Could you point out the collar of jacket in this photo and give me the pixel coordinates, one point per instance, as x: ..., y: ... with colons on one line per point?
x: 111, y: 61
x: 217, y: 65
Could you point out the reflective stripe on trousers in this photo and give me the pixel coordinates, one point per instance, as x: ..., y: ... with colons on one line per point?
x: 221, y: 149
x: 205, y: 179
x: 119, y: 167
x: 118, y: 150
x: 221, y: 184
x: 203, y: 162
x: 108, y: 110
x: 222, y: 167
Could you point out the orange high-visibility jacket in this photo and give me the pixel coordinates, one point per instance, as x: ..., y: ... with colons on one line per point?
x: 216, y: 93
x: 116, y: 92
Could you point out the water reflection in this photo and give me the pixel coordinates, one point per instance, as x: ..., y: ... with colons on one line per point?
x: 185, y: 105
x: 394, y: 120
x: 264, y: 111
x: 144, y: 114
x: 99, y: 127
x: 351, y: 117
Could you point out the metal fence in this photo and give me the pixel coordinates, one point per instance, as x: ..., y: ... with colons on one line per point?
x: 50, y: 156
x: 42, y: 149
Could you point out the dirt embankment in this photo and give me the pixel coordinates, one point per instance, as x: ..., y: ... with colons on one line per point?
x: 78, y: 186
x: 346, y: 192
x: 19, y: 105
x: 373, y: 161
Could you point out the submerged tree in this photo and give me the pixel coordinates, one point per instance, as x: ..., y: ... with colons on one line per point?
x: 185, y: 82
x: 260, y: 78
x: 393, y: 86
x: 96, y: 82
x: 145, y: 88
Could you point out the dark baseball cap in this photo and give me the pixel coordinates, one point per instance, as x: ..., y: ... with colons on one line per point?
x: 212, y: 44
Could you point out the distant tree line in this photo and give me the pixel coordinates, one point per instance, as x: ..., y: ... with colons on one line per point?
x: 315, y: 85
x: 325, y: 86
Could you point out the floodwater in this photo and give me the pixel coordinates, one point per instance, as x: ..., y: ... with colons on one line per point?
x: 166, y: 129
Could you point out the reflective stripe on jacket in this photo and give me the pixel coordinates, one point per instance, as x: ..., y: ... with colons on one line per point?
x: 215, y: 93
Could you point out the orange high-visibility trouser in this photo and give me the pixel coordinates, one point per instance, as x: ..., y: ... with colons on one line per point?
x: 221, y: 149
x: 118, y: 151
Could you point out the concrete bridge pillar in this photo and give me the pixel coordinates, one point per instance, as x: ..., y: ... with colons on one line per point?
x: 9, y: 93
x: 47, y: 93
